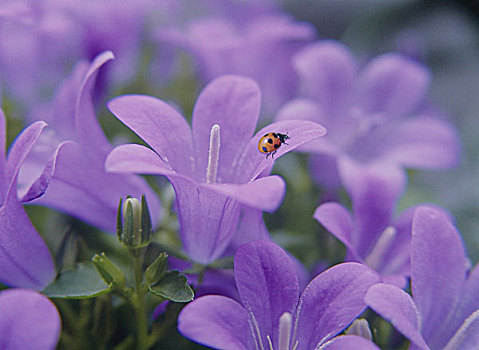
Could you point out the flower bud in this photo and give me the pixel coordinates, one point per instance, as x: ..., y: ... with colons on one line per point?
x: 361, y: 328
x: 110, y: 273
x: 134, y: 223
x: 157, y: 269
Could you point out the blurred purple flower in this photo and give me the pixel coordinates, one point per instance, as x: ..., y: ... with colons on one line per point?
x: 215, y: 168
x: 259, y: 47
x: 41, y: 40
x: 444, y: 310
x: 24, y: 257
x: 28, y: 321
x: 74, y: 148
x: 272, y: 314
x: 376, y: 115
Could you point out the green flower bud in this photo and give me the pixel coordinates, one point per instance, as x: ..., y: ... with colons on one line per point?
x: 157, y: 269
x: 134, y: 223
x: 110, y: 273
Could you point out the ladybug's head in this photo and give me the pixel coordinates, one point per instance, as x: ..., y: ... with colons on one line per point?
x: 283, y: 137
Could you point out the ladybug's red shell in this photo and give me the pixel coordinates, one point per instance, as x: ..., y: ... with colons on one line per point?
x: 270, y: 142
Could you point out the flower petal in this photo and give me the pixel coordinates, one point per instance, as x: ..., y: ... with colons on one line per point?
x: 438, y: 273
x: 346, y: 342
x: 232, y: 102
x: 375, y: 190
x: 136, y: 159
x: 81, y: 187
x: 331, y: 302
x: 265, y: 193
x: 252, y: 162
x: 393, y: 84
x: 159, y: 125
x: 268, y: 286
x: 467, y: 337
x: 216, y: 321
x: 208, y: 219
x: 28, y: 321
x: 397, y: 307
x: 337, y: 220
x: 327, y: 71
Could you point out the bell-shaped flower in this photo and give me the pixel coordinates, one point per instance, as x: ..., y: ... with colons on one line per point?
x: 215, y: 168
x: 74, y: 148
x: 443, y: 312
x: 24, y: 258
x: 260, y: 47
x: 28, y: 321
x: 272, y: 314
x: 378, y: 114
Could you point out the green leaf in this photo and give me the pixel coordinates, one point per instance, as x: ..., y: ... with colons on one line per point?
x: 81, y: 282
x: 174, y: 287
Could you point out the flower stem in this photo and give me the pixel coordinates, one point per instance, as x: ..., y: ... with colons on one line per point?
x: 138, y: 301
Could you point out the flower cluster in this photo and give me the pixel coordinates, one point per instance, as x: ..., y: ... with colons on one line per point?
x: 193, y: 199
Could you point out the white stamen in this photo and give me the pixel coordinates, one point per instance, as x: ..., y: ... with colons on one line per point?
x: 213, y: 154
x: 381, y: 247
x: 361, y: 328
x: 285, y: 324
x: 270, y: 342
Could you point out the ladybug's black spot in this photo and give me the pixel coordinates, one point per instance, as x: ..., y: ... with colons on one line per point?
x: 275, y: 135
x: 266, y: 135
x: 264, y: 149
x: 276, y: 146
x: 270, y: 140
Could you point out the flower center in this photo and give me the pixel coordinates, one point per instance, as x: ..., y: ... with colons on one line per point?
x: 384, y: 242
x: 284, y: 330
x: 213, y: 154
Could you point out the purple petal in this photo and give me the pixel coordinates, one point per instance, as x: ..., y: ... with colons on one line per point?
x: 467, y: 337
x: 252, y: 162
x: 392, y: 84
x: 375, y: 190
x: 137, y: 159
x: 268, y: 286
x: 424, y: 142
x: 28, y: 321
x: 331, y: 302
x: 20, y: 150
x: 397, y: 307
x: 216, y: 321
x: 337, y: 220
x: 161, y: 126
x: 327, y: 71
x: 265, y: 193
x: 324, y: 170
x: 87, y: 127
x: 207, y: 219
x: 347, y: 342
x: 232, y: 102
x: 469, y: 301
x: 24, y: 257
x: 438, y: 272
x: 81, y: 187
x: 251, y: 227
x: 3, y: 161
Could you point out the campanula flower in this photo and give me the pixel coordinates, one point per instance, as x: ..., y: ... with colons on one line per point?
x: 272, y: 314
x: 28, y: 321
x: 24, y: 258
x: 443, y: 312
x: 260, y: 47
x: 377, y: 114
x: 74, y: 147
x: 215, y: 167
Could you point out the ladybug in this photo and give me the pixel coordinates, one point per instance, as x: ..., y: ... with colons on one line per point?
x: 270, y: 143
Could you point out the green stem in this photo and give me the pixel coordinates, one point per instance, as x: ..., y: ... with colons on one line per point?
x: 139, y: 302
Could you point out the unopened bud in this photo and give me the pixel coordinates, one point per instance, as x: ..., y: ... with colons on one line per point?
x: 110, y: 273
x: 157, y: 269
x: 134, y: 223
x: 360, y: 327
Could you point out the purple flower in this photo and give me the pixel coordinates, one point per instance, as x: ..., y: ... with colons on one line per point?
x: 376, y: 115
x: 215, y: 168
x: 74, y: 148
x: 24, y: 257
x: 272, y: 314
x: 259, y: 47
x: 28, y: 321
x: 444, y: 310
